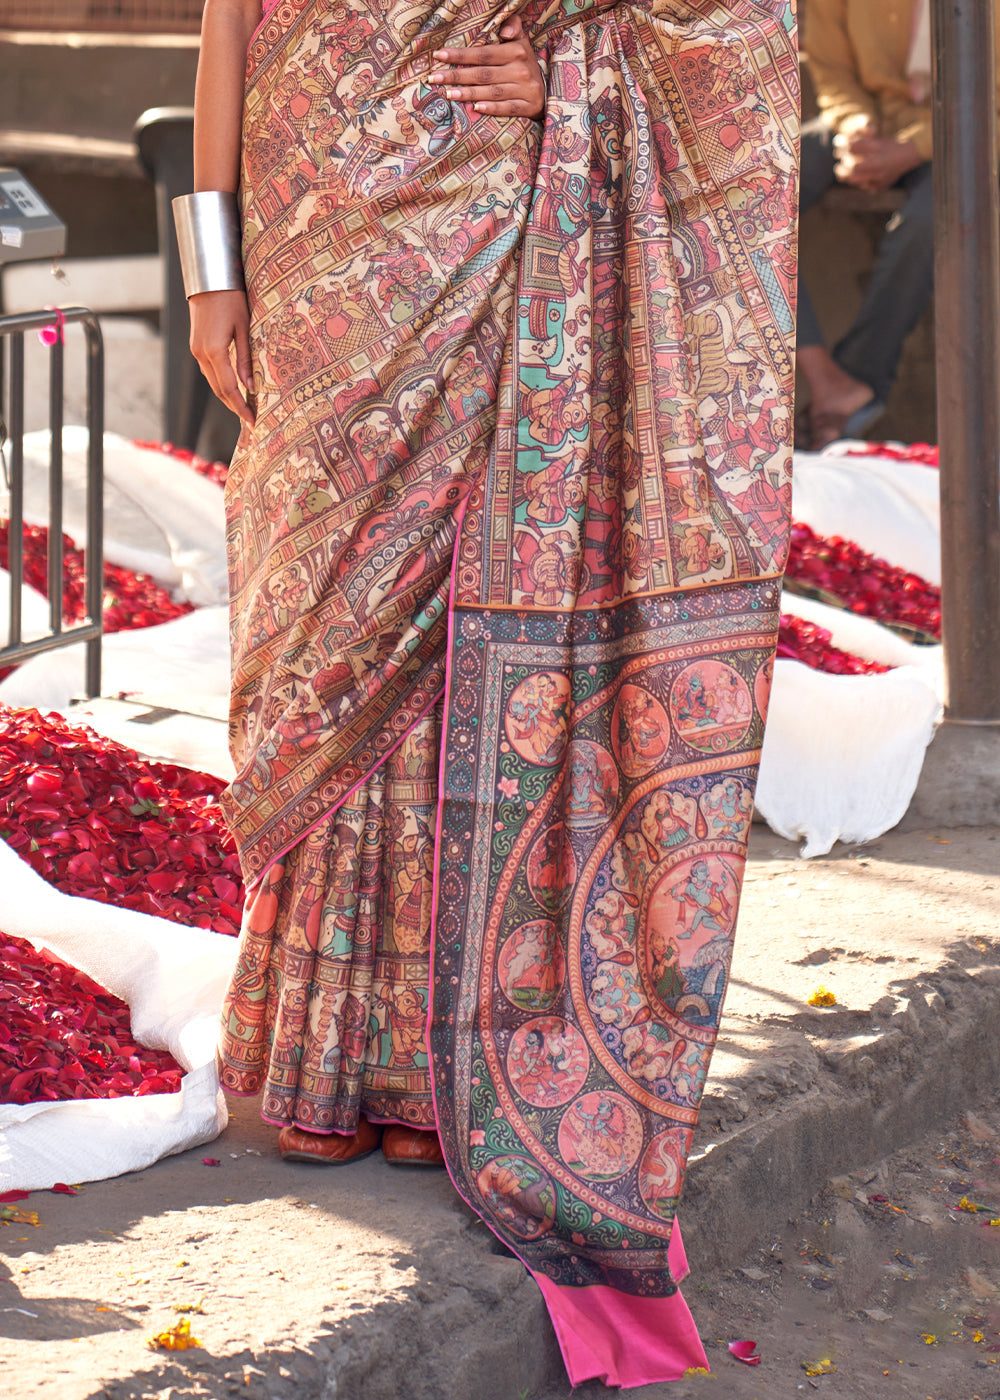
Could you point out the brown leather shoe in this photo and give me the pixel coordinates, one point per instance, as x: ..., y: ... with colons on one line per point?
x: 332, y: 1149
x: 411, y: 1147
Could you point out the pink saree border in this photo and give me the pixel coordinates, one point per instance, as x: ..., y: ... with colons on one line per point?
x: 650, y: 1339
x: 349, y: 793
x: 656, y: 1338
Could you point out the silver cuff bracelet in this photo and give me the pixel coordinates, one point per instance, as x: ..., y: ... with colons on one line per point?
x: 208, y: 237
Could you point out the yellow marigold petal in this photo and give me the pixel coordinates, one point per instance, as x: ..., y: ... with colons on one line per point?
x: 177, y: 1338
x: 822, y: 996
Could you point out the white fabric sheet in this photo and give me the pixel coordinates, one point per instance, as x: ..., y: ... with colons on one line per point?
x: 173, y: 979
x: 187, y: 657
x: 842, y: 754
x: 889, y: 508
x: 160, y: 517
x: 34, y: 611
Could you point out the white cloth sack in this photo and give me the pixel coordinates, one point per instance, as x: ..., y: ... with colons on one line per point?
x: 34, y: 611
x: 188, y: 657
x: 891, y: 509
x: 160, y: 517
x: 842, y: 754
x: 173, y: 979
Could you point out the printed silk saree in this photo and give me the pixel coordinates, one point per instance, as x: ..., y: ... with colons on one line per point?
x: 505, y: 549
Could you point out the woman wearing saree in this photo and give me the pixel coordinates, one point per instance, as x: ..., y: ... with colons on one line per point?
x: 514, y: 476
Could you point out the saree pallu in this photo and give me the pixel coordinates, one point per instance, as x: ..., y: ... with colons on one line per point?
x: 523, y: 433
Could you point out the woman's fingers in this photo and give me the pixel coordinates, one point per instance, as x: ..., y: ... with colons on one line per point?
x: 512, y: 28
x: 228, y: 388
x: 503, y: 79
x: 219, y: 321
x: 485, y: 55
x: 494, y: 101
x: 494, y: 92
x: 244, y: 363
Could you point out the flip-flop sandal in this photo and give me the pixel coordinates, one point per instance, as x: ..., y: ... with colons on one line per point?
x: 862, y: 418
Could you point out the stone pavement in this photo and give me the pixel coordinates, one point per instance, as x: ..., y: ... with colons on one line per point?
x: 373, y: 1282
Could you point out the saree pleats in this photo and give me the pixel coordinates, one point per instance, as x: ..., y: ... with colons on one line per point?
x: 523, y: 437
x: 326, y: 1010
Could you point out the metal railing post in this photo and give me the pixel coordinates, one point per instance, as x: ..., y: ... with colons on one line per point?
x: 15, y: 539
x: 94, y: 555
x: 967, y: 302
x: 90, y: 632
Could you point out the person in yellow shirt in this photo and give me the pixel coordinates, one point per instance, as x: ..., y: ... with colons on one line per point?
x: 870, y: 65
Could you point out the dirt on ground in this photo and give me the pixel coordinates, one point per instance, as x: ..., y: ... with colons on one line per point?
x: 886, y: 1288
x: 370, y: 1283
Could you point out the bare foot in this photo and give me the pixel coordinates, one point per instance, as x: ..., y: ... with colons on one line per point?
x: 835, y: 395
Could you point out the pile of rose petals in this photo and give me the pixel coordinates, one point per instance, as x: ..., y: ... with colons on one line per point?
x: 95, y: 819
x: 799, y: 640
x: 925, y: 454
x: 841, y: 573
x: 64, y: 1037
x: 215, y: 471
x: 130, y: 600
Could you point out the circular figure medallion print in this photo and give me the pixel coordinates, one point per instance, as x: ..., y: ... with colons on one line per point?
x: 532, y: 967
x: 537, y: 718
x: 640, y: 731
x: 687, y: 935
x: 662, y: 1169
x: 547, y: 1061
x: 711, y: 707
x: 591, y: 785
x: 600, y: 1136
x: 552, y: 868
x: 520, y: 1194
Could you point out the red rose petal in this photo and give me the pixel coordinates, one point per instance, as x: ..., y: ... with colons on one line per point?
x: 745, y: 1352
x: 172, y: 856
x: 70, y: 1038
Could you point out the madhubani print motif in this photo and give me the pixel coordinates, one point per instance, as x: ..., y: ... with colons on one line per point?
x: 612, y: 650
x: 326, y: 1010
x: 594, y: 1010
x: 381, y: 228
x: 523, y: 437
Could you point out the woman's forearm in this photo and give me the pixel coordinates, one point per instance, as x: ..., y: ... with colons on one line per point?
x: 218, y: 98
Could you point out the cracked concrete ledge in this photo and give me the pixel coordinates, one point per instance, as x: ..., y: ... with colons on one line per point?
x: 843, y: 1102
x: 371, y: 1283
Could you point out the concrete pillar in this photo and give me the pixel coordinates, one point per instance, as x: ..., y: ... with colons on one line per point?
x: 960, y: 783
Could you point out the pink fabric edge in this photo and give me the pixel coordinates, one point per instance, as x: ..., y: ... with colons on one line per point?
x: 623, y: 1340
x: 266, y: 9
x: 657, y: 1339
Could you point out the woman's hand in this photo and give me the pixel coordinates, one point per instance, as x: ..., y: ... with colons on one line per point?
x: 503, y: 79
x: 220, y: 320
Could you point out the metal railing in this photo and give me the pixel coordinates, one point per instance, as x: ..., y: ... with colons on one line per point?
x: 12, y: 333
